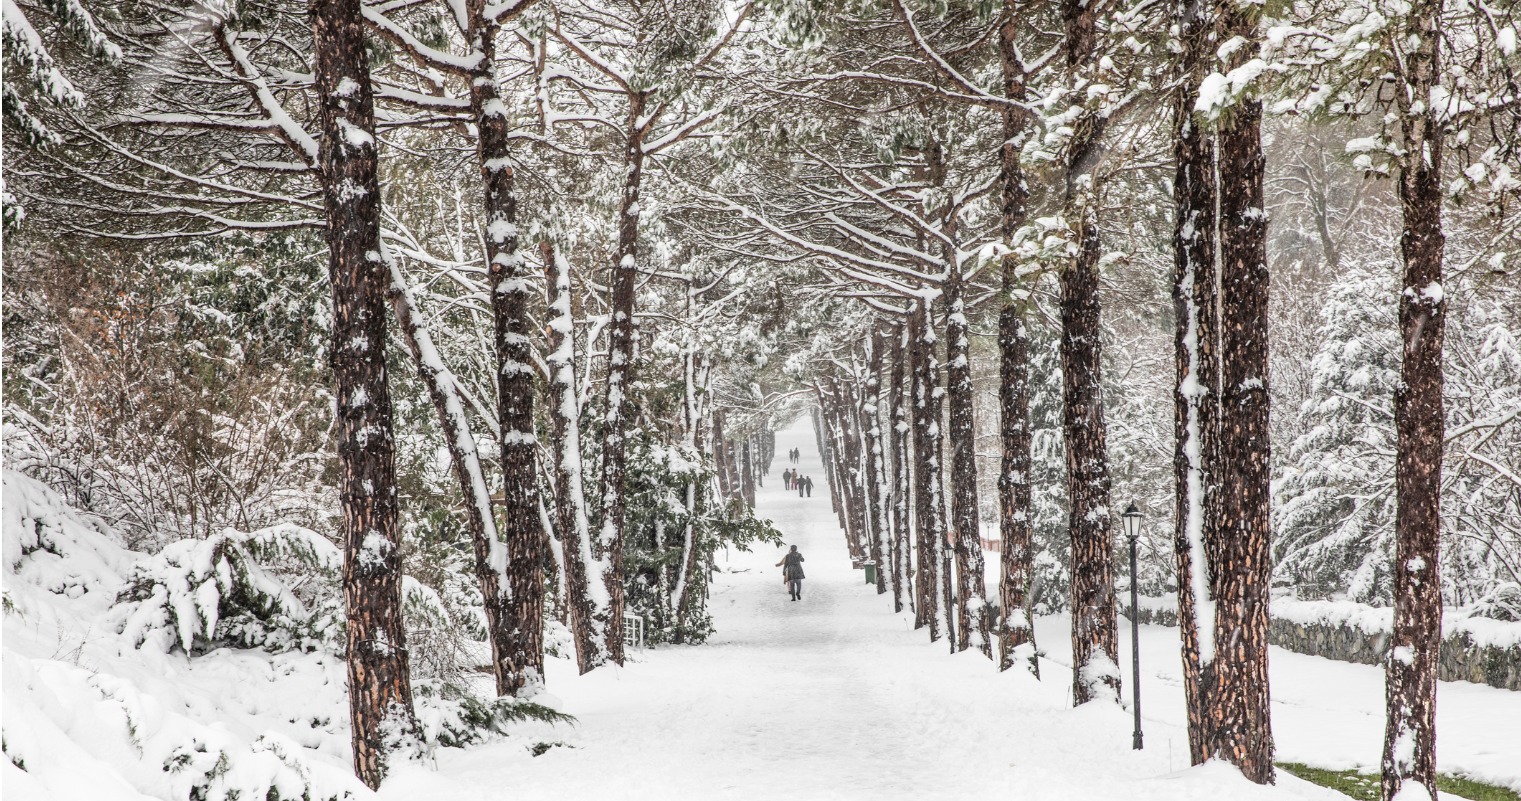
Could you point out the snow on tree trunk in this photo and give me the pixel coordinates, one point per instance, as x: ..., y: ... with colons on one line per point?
x: 747, y: 476
x: 1194, y: 304
x: 1016, y: 635
x: 380, y: 687
x: 620, y: 358
x: 966, y: 529
x: 720, y: 455
x: 876, y: 472
x: 901, y: 490
x: 511, y: 296
x: 1095, y: 639
x: 1237, y: 702
x: 1410, y: 733
x: 926, y: 471
x: 698, y: 374
x: 1238, y: 698
x: 480, y: 520
x: 854, y: 473
x: 586, y: 596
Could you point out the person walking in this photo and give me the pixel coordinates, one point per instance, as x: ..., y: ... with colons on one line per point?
x: 798, y: 480
x: 792, y: 573
x: 787, y: 478
x: 808, y: 485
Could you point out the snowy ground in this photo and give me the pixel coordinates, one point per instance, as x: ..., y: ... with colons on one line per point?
x: 837, y: 697
x: 831, y: 697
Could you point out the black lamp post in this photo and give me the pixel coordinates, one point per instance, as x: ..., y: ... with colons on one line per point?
x: 1132, y: 518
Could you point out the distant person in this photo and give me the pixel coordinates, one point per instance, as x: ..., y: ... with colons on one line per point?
x: 792, y: 573
x: 787, y: 478
x: 808, y: 485
x: 798, y: 480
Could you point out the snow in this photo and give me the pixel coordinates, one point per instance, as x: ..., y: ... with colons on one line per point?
x: 838, y: 697
x: 831, y: 697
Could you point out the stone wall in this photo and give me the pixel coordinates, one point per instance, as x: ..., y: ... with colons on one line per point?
x: 1480, y: 651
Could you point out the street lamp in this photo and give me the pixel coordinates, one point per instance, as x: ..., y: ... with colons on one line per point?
x: 1132, y: 518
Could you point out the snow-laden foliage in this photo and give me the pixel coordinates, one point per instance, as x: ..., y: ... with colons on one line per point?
x: 1335, y: 494
x: 658, y: 527
x: 254, y: 707
x: 224, y: 590
x: 1336, y: 500
x: 452, y: 720
x: 51, y: 546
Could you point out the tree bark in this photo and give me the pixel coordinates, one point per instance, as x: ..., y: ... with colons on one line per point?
x: 855, y: 466
x: 584, y: 598
x: 510, y: 299
x: 902, y: 561
x: 1238, y: 699
x: 380, y: 688
x: 926, y: 472
x: 1095, y: 640
x: 1196, y: 394
x: 1016, y: 539
x: 720, y: 455
x: 871, y: 427
x: 620, y: 362
x: 1411, y: 669
x: 966, y: 528
x: 480, y: 519
x: 747, y: 474
x: 698, y: 374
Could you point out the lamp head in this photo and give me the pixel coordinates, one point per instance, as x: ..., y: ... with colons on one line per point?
x: 1132, y: 518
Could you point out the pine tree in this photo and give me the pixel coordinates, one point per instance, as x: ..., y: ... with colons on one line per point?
x: 380, y: 689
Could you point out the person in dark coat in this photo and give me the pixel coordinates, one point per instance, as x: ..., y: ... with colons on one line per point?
x: 787, y: 478
x: 808, y: 485
x: 792, y: 573
x: 799, y: 482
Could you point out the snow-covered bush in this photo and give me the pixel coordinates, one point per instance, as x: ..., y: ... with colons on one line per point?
x: 50, y: 545
x: 454, y: 720
x: 226, y: 590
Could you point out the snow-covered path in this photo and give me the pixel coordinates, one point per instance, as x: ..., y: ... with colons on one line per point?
x: 837, y: 697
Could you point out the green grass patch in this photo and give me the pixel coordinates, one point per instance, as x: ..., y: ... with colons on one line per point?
x: 1365, y: 786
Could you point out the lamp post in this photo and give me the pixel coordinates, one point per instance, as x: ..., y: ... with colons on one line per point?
x: 1132, y: 518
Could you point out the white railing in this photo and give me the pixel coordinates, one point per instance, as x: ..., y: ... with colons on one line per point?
x: 633, y: 630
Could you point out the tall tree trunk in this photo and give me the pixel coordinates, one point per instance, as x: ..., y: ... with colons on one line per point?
x: 849, y: 418
x: 834, y: 459
x: 966, y: 528
x: 871, y: 427
x: 510, y: 299
x: 1016, y: 539
x: 1238, y: 700
x: 720, y: 455
x: 480, y: 519
x: 1195, y: 300
x: 747, y: 475
x: 586, y: 598
x: 620, y: 363
x: 926, y: 472
x: 380, y: 687
x: 902, y: 560
x: 1411, y: 669
x: 1095, y: 639
x: 698, y: 374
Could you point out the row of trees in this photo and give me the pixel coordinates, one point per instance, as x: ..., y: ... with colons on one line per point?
x: 246, y: 124
x: 617, y: 240
x: 897, y: 213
